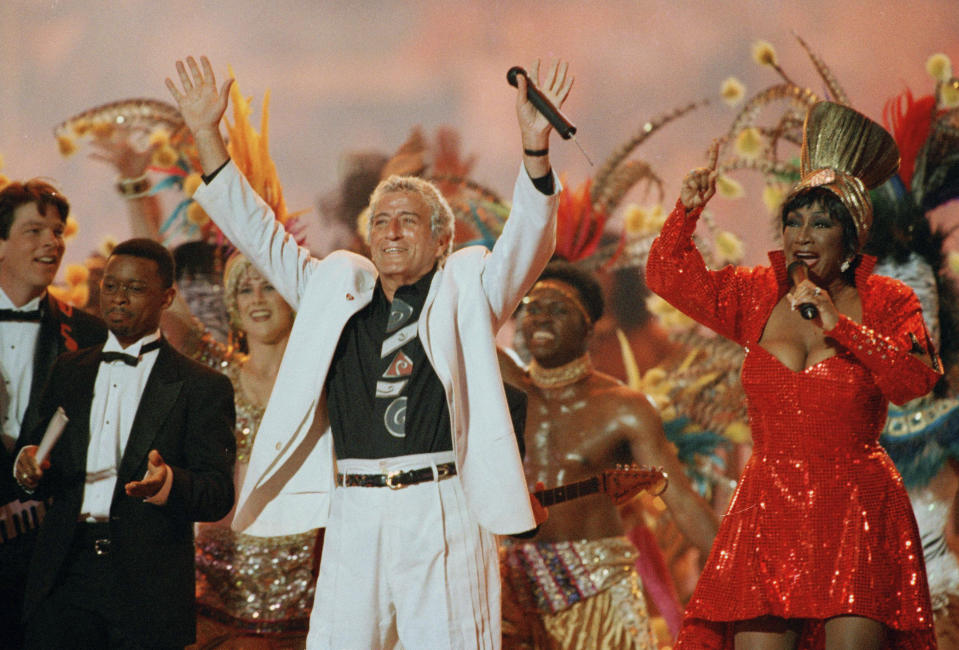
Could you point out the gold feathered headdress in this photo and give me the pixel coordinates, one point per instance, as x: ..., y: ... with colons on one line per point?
x: 848, y: 154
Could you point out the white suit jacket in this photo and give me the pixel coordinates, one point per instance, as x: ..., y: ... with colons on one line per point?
x: 291, y: 473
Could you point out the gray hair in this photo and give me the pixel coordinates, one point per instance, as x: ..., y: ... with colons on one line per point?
x: 441, y: 214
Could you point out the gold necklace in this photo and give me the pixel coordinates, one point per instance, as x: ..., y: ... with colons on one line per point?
x: 560, y: 376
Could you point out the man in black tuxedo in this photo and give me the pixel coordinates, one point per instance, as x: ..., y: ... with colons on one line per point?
x: 147, y: 451
x: 35, y: 328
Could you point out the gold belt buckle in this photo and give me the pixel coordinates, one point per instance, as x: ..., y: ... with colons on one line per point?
x: 390, y: 476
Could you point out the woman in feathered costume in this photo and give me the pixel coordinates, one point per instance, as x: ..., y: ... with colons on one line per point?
x: 922, y: 437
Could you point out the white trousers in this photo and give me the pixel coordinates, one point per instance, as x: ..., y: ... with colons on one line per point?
x: 406, y: 568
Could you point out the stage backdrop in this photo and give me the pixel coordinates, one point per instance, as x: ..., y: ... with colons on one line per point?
x: 361, y: 74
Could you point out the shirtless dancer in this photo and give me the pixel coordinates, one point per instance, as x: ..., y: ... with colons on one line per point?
x: 581, y: 422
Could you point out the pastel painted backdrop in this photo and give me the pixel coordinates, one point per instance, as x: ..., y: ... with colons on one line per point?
x: 361, y: 74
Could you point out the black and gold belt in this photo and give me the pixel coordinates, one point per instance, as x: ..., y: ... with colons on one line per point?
x: 398, y: 479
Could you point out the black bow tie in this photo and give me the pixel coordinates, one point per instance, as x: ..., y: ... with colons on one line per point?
x: 17, y: 315
x: 129, y: 359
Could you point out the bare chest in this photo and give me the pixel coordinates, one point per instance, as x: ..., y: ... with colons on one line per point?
x: 567, y: 438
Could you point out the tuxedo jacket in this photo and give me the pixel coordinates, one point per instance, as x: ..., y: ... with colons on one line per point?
x: 62, y: 328
x: 291, y: 472
x: 187, y: 414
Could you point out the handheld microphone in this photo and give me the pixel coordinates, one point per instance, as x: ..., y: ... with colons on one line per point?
x: 562, y: 125
x: 797, y: 273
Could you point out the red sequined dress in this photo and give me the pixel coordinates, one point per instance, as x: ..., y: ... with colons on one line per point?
x: 820, y: 524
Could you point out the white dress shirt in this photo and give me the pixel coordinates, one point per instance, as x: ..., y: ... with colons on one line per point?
x: 18, y: 342
x: 116, y: 398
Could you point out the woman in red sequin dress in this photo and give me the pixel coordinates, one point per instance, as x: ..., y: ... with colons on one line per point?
x: 819, y: 546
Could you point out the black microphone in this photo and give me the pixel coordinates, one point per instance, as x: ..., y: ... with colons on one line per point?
x: 562, y: 125
x: 797, y: 273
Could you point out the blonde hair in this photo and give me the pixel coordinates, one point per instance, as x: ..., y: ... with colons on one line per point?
x: 236, y: 269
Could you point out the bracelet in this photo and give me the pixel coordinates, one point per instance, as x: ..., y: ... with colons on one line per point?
x: 536, y: 153
x: 133, y: 188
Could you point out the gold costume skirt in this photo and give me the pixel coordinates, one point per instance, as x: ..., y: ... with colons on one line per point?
x: 582, y: 594
x: 253, y: 586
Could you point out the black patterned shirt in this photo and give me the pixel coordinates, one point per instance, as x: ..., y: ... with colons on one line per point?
x: 383, y: 395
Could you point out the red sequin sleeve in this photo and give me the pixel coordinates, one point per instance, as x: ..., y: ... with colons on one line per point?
x: 887, y: 347
x: 676, y: 271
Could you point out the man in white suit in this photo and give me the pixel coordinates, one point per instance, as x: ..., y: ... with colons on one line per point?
x: 389, y: 425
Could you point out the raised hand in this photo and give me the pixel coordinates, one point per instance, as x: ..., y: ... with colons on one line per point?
x: 555, y: 86
x: 698, y: 187
x: 119, y: 151
x: 534, y: 127
x: 202, y: 105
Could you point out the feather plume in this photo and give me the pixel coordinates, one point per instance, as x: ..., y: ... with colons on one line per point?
x: 629, y: 251
x: 624, y: 178
x: 910, y: 121
x: 251, y: 152
x: 801, y: 99
x: 410, y: 158
x: 619, y: 155
x: 448, y: 159
x: 633, y: 375
x: 779, y: 169
x: 836, y: 91
x: 936, y: 174
x: 579, y: 225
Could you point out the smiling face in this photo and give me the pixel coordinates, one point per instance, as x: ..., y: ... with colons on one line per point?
x: 814, y: 237
x: 31, y: 254
x: 553, y: 327
x: 260, y: 310
x: 132, y: 297
x: 402, y: 244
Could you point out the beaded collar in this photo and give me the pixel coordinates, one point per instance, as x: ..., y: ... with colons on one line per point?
x: 564, y: 375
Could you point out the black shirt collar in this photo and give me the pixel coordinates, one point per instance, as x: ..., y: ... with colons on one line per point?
x: 413, y: 294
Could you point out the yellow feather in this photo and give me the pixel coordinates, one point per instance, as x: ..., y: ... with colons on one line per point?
x: 633, y: 377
